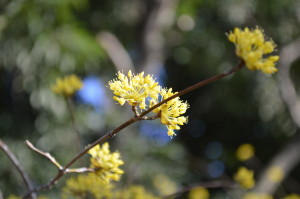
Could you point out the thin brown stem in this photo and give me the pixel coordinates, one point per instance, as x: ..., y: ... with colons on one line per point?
x: 21, y: 171
x: 195, y: 86
x: 135, y: 111
x: 45, y: 154
x: 134, y: 119
x: 62, y: 171
x: 73, y: 121
x: 81, y: 170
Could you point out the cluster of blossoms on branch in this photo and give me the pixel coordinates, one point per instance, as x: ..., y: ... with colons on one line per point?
x: 105, y: 163
x: 144, y: 92
x: 252, y: 47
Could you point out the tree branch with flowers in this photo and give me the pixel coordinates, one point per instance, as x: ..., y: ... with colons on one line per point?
x: 148, y: 101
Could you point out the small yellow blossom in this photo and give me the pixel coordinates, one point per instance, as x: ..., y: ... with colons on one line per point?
x: 134, y: 192
x: 67, y: 86
x: 292, y: 196
x: 198, y: 193
x: 245, y: 178
x: 275, y: 174
x: 164, y: 185
x: 107, y: 163
x: 245, y: 152
x: 170, y: 111
x: 253, y: 195
x: 85, y: 185
x: 134, y: 89
x: 252, y: 47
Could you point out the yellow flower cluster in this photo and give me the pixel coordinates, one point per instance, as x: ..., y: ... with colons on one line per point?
x: 252, y: 47
x: 198, y: 193
x: 170, y: 111
x: 67, y: 86
x: 245, y: 178
x: 84, y: 186
x: 253, y: 195
x: 91, y: 186
x: 106, y: 163
x: 136, y: 89
x: 245, y: 152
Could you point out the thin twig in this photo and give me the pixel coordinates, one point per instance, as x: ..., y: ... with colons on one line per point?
x: 45, y: 154
x: 134, y: 119
x: 21, y: 171
x: 195, y: 86
x: 135, y: 111
x: 81, y: 170
x: 150, y: 117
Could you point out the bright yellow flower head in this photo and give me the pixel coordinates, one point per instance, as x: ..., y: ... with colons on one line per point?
x: 134, y: 89
x: 252, y: 47
x: 85, y: 185
x: 171, y: 111
x: 253, y: 195
x: 198, y: 193
x: 67, y: 86
x: 245, y: 152
x: 107, y: 163
x: 275, y: 174
x: 245, y: 178
x: 292, y: 196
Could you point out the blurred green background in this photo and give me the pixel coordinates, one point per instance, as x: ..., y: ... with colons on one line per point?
x: 181, y: 42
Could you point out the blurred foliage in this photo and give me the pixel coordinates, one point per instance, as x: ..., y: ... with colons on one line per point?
x: 43, y: 40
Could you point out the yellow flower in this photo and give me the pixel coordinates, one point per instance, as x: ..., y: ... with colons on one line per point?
x: 84, y: 186
x: 292, y: 196
x: 170, y: 111
x: 67, y: 86
x: 134, y: 89
x: 253, y: 195
x: 107, y: 163
x: 245, y: 178
x: 164, y: 185
x: 252, y: 47
x: 198, y: 193
x: 275, y: 174
x: 245, y: 152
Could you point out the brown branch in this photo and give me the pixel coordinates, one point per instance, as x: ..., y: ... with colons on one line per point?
x: 45, y: 154
x: 81, y: 170
x: 21, y: 171
x: 134, y: 119
x: 196, y: 86
x: 135, y: 111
